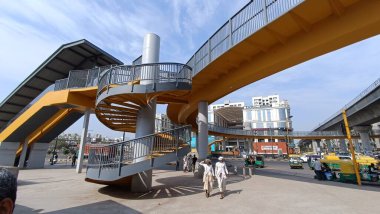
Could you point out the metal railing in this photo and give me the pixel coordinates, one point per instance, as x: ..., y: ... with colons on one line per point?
x: 364, y: 93
x: 271, y: 133
x: 251, y: 18
x: 81, y: 78
x: 152, y: 73
x: 118, y: 154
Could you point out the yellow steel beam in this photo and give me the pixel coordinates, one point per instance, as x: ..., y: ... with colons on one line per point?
x: 78, y: 98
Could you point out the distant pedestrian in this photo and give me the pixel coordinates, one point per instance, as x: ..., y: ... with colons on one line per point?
x: 185, y: 163
x: 208, y: 176
x: 318, y: 169
x: 73, y: 160
x: 189, y: 163
x: 194, y: 159
x: 221, y: 173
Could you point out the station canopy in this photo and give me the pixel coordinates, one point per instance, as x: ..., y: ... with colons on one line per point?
x: 76, y: 55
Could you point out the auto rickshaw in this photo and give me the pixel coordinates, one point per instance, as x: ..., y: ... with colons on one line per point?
x: 333, y: 165
x: 259, y: 161
x: 295, y: 161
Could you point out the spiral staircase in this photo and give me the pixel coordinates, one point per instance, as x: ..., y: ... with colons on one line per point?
x: 122, y: 92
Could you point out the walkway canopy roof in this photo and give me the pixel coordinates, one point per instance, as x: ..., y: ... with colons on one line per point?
x: 76, y: 55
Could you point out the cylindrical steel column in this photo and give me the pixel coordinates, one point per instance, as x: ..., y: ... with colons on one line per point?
x: 83, y: 141
x: 202, y: 129
x: 142, y: 182
x: 146, y: 115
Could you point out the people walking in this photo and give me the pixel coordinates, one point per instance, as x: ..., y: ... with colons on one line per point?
x: 185, y: 163
x: 194, y: 160
x: 221, y: 173
x: 189, y: 163
x: 318, y: 169
x: 208, y: 176
x: 73, y: 160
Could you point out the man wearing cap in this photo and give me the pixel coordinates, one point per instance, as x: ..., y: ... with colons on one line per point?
x: 221, y: 173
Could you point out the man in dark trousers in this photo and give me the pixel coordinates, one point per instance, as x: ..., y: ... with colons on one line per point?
x: 194, y: 159
x: 73, y: 160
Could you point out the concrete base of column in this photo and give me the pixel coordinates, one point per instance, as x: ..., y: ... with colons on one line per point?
x: 8, y: 153
x: 37, y: 155
x: 142, y: 182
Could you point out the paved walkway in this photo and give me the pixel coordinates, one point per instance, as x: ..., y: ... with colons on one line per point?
x: 61, y: 190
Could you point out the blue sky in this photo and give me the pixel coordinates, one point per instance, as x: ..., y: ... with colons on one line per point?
x: 30, y: 31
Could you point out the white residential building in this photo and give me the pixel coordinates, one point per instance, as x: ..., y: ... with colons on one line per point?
x: 226, y: 103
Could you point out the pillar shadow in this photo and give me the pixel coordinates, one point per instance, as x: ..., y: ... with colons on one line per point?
x: 107, y: 206
x: 170, y: 187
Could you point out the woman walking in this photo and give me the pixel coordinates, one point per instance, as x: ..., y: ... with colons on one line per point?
x: 208, y: 176
x: 221, y: 173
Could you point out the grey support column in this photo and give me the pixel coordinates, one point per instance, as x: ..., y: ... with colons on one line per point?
x: 342, y: 144
x: 142, y: 182
x: 329, y: 146
x: 8, y: 153
x: 37, y: 155
x: 224, y: 144
x: 21, y: 162
x: 314, y: 146
x: 364, y: 137
x: 83, y: 141
x: 202, y: 129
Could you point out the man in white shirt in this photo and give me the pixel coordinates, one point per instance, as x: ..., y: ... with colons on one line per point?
x: 318, y: 169
x: 221, y: 173
x: 208, y: 176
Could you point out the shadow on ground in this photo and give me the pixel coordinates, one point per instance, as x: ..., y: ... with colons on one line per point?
x: 304, y: 178
x: 170, y: 187
x: 107, y: 206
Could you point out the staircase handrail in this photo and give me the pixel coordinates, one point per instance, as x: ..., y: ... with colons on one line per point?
x: 273, y: 133
x: 163, y: 72
x: 117, y: 154
x: 81, y: 78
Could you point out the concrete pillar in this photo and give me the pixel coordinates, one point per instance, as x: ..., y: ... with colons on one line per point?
x: 37, y: 155
x: 202, y: 129
x: 21, y: 161
x: 364, y: 137
x: 8, y: 153
x: 329, y: 145
x: 142, y: 181
x: 224, y: 144
x: 83, y: 141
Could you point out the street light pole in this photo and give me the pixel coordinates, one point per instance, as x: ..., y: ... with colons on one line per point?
x: 287, y: 133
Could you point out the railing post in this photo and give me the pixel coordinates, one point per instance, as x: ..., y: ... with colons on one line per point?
x: 209, y: 50
x: 109, y: 80
x: 265, y: 11
x: 121, y: 157
x: 230, y: 26
x: 68, y: 80
x: 88, y: 71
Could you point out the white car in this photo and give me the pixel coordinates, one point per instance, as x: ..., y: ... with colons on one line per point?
x: 304, y: 158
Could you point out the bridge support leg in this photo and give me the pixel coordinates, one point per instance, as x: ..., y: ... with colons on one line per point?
x: 202, y: 129
x: 224, y: 144
x: 37, y: 155
x: 364, y: 137
x: 329, y: 146
x: 142, y: 182
x: 8, y: 153
x: 21, y: 162
x: 83, y: 141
